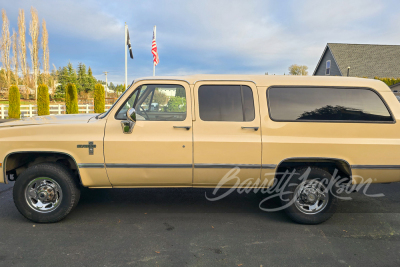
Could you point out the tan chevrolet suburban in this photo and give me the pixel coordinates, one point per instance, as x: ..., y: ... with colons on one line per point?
x: 191, y: 131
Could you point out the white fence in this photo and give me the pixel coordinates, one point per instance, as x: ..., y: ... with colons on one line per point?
x: 31, y: 110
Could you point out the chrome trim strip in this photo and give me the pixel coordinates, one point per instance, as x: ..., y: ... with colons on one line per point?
x: 219, y: 80
x: 91, y: 165
x: 376, y: 167
x: 269, y: 166
x: 158, y: 79
x: 166, y: 166
x: 226, y: 166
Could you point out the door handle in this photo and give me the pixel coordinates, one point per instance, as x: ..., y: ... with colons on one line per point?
x: 183, y: 127
x: 254, y: 128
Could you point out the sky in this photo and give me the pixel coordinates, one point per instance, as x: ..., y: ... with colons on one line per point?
x: 205, y: 36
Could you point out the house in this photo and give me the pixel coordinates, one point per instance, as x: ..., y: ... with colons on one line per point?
x: 359, y: 60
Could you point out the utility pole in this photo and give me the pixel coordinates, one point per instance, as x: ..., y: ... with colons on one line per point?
x: 106, y: 89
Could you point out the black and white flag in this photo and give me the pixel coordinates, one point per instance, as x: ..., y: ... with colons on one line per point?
x: 128, y: 43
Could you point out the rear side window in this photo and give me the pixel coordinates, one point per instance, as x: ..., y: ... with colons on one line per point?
x: 226, y: 103
x: 326, y: 104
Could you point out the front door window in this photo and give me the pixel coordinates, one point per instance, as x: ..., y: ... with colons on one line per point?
x: 157, y: 103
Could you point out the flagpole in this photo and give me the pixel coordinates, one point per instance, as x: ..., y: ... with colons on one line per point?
x: 126, y: 57
x: 154, y: 64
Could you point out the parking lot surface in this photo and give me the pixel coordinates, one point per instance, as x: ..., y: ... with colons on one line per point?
x: 180, y: 227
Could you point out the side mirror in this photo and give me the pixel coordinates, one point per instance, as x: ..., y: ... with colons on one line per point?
x: 131, y: 114
x: 127, y: 125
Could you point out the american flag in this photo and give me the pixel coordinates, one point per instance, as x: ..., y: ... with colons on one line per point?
x: 154, y: 50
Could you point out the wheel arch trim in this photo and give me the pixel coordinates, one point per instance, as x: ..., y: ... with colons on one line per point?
x: 315, y: 159
x: 36, y: 151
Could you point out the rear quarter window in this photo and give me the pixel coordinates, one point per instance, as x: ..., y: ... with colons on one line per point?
x: 327, y: 104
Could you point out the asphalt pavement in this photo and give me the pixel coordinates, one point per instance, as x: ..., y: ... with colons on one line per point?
x: 180, y: 227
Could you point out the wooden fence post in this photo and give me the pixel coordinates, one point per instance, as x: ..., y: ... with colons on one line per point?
x: 2, y: 111
x: 30, y: 110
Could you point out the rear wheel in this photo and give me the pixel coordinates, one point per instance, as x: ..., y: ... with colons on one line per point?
x: 308, y: 196
x: 46, y: 192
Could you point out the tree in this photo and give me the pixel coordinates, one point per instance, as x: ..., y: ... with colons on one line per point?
x: 15, y: 56
x: 160, y: 98
x: 99, y: 100
x: 43, y: 101
x: 71, y: 99
x: 22, y: 50
x: 5, y: 47
x: 54, y: 80
x: 14, y: 109
x: 71, y: 74
x: 34, y: 46
x: 91, y: 79
x: 82, y: 79
x: 176, y: 104
x: 46, y: 54
x: 298, y: 70
x: 111, y: 86
x: 180, y: 91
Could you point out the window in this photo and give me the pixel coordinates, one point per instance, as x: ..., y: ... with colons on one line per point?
x: 328, y: 68
x: 326, y: 104
x: 157, y: 103
x: 226, y: 103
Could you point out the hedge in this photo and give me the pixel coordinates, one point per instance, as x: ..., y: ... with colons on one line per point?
x: 14, y: 109
x: 71, y: 99
x: 99, y: 100
x: 43, y: 101
x: 388, y: 81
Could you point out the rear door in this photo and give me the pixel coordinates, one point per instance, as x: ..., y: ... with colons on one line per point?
x: 226, y: 133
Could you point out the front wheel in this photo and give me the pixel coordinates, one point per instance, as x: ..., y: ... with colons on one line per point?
x: 46, y: 192
x: 310, y: 196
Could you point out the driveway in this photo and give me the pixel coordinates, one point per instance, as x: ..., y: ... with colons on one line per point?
x: 179, y: 227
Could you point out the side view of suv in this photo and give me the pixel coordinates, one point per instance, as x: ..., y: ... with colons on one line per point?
x: 191, y: 131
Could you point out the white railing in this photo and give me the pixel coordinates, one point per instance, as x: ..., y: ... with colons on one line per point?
x: 31, y: 110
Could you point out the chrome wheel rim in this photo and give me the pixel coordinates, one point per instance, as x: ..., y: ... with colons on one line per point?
x: 43, y: 194
x: 311, y: 197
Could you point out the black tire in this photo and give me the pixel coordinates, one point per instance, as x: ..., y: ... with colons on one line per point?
x: 300, y: 215
x: 58, y: 173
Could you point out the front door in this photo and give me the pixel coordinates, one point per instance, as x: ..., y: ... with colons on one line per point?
x: 158, y: 152
x: 227, y: 133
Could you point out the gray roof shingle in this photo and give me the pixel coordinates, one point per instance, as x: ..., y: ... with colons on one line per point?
x: 367, y: 60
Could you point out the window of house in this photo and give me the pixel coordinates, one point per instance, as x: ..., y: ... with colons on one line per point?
x: 226, y: 103
x: 328, y: 67
x: 326, y: 104
x: 157, y: 102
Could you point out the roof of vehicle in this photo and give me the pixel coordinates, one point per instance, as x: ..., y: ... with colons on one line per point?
x: 270, y: 80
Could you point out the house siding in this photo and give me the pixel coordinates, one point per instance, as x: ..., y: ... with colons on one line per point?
x: 321, y: 68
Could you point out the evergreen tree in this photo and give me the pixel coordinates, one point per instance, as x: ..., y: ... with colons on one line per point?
x: 14, y: 109
x: 99, y: 100
x: 71, y: 99
x: 71, y: 74
x: 43, y: 101
x: 83, y: 81
x: 180, y: 91
x: 91, y: 80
